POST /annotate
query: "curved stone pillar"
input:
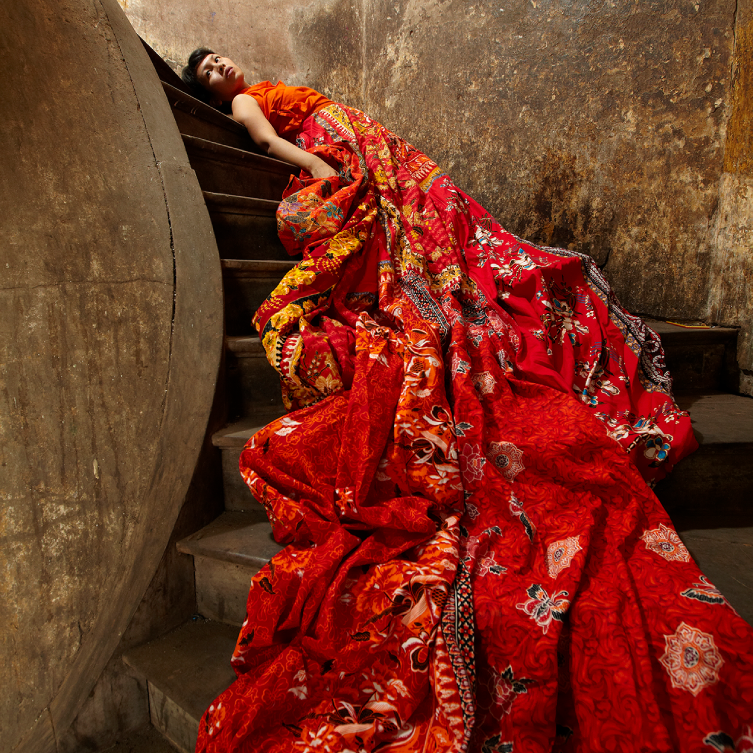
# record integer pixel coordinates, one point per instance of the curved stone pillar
(110, 338)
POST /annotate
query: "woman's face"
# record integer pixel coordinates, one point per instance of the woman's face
(221, 76)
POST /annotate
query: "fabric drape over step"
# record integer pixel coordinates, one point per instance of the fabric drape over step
(474, 560)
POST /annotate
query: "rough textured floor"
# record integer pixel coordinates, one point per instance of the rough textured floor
(146, 741)
(726, 557)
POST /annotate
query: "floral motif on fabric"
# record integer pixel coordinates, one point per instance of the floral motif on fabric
(507, 457)
(641, 431)
(458, 365)
(472, 511)
(479, 550)
(560, 554)
(705, 592)
(542, 608)
(559, 318)
(288, 425)
(483, 382)
(506, 689)
(591, 378)
(665, 542)
(488, 565)
(472, 462)
(691, 659)
(516, 508)
(725, 743)
(218, 713)
(657, 448)
(390, 621)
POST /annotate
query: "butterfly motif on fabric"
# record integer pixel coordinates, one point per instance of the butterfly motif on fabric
(705, 592)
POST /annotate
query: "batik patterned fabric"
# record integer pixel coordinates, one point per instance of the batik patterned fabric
(474, 561)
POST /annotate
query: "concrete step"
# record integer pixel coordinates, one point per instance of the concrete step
(245, 228)
(185, 671)
(226, 169)
(247, 282)
(252, 384)
(699, 359)
(231, 441)
(195, 118)
(725, 555)
(227, 554)
(714, 485)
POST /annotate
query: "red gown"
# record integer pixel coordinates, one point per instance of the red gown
(474, 561)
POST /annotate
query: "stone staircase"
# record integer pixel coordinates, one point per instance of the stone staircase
(188, 667)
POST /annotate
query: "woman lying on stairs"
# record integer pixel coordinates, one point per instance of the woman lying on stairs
(475, 560)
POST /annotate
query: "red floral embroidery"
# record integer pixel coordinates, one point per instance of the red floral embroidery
(560, 554)
(666, 543)
(410, 583)
(507, 457)
(472, 463)
(692, 659)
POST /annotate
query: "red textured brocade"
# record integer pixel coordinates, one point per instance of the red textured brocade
(473, 559)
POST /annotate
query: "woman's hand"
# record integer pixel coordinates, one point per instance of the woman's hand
(320, 169)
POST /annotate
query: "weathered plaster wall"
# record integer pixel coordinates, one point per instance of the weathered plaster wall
(596, 126)
(731, 295)
(110, 316)
(270, 40)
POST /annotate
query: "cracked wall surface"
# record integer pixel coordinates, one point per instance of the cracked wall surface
(82, 347)
(98, 331)
(601, 127)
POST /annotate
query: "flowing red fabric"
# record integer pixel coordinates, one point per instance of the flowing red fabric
(474, 561)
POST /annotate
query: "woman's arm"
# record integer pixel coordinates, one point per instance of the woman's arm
(246, 110)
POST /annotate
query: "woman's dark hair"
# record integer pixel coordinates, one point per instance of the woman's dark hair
(188, 74)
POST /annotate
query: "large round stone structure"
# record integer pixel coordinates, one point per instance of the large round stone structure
(110, 339)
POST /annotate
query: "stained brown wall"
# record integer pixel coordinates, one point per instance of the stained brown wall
(110, 335)
(731, 296)
(597, 126)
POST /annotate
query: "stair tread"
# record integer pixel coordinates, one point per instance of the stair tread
(672, 334)
(232, 203)
(190, 665)
(238, 537)
(256, 267)
(236, 434)
(720, 418)
(180, 99)
(245, 345)
(234, 155)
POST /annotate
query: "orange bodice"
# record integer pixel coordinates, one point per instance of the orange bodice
(286, 107)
